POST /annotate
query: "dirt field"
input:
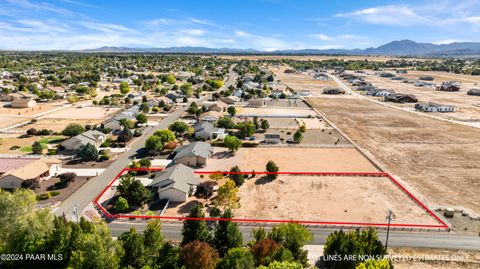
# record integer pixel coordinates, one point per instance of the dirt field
(440, 159)
(56, 125)
(39, 108)
(90, 112)
(263, 111)
(291, 159)
(464, 104)
(328, 198)
(303, 81)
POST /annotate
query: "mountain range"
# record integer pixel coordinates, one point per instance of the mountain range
(400, 48)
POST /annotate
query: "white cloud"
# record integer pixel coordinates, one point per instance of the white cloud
(386, 15)
(194, 32)
(321, 37)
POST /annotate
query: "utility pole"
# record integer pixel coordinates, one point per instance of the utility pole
(389, 219)
(75, 211)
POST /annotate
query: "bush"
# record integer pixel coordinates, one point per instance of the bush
(121, 205)
(137, 133)
(272, 168)
(52, 152)
(37, 148)
(205, 189)
(44, 196)
(32, 131)
(44, 132)
(87, 152)
(104, 157)
(54, 193)
(67, 178)
(30, 184)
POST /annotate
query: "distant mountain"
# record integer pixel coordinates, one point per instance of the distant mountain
(400, 48)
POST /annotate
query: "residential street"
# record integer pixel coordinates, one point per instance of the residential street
(94, 186)
(396, 239)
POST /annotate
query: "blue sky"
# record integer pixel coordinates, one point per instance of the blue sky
(262, 24)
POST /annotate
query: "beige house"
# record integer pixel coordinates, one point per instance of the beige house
(194, 154)
(175, 183)
(14, 171)
(23, 103)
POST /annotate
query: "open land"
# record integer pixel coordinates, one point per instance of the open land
(313, 57)
(292, 159)
(438, 158)
(328, 198)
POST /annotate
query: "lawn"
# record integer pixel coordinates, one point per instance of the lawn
(43, 142)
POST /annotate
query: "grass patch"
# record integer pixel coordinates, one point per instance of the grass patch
(44, 142)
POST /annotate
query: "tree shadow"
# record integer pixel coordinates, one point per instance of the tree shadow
(186, 207)
(222, 155)
(263, 180)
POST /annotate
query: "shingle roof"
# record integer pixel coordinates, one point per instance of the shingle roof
(201, 149)
(179, 177)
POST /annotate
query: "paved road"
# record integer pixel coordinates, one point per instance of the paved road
(396, 239)
(92, 188)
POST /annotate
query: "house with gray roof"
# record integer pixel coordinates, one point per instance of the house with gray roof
(115, 122)
(194, 154)
(93, 137)
(175, 183)
(206, 130)
(434, 107)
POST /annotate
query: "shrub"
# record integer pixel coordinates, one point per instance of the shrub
(87, 152)
(137, 133)
(37, 148)
(73, 129)
(205, 189)
(67, 178)
(32, 131)
(272, 168)
(104, 157)
(121, 204)
(54, 193)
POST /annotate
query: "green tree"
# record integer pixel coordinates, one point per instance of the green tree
(239, 179)
(195, 229)
(225, 122)
(293, 237)
(144, 107)
(153, 144)
(73, 129)
(124, 88)
(246, 129)
(186, 89)
(298, 137)
(199, 255)
(273, 168)
(228, 195)
(237, 258)
(179, 127)
(133, 247)
(87, 152)
(232, 110)
(37, 147)
(121, 204)
(145, 163)
(232, 143)
(170, 79)
(302, 128)
(352, 243)
(169, 257)
(142, 118)
(227, 234)
(133, 190)
(165, 135)
(264, 124)
(153, 242)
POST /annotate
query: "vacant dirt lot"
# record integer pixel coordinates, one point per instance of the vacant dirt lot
(275, 112)
(292, 159)
(90, 112)
(56, 125)
(328, 198)
(440, 159)
(39, 108)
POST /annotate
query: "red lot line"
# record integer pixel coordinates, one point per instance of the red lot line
(442, 225)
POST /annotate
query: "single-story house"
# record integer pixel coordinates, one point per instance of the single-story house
(175, 183)
(230, 100)
(449, 86)
(272, 139)
(402, 71)
(475, 92)
(384, 93)
(175, 97)
(14, 171)
(256, 102)
(93, 137)
(23, 103)
(401, 98)
(210, 116)
(206, 130)
(129, 114)
(194, 154)
(333, 91)
(218, 107)
(434, 107)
